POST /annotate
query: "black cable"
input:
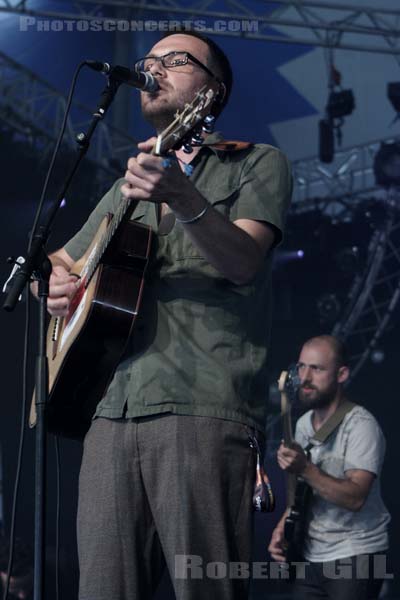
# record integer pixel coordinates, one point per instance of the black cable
(56, 149)
(26, 347)
(21, 447)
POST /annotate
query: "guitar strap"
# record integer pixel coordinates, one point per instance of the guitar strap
(331, 424)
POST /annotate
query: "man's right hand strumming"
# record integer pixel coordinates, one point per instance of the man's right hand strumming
(63, 286)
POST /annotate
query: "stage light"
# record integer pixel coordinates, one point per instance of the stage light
(387, 164)
(377, 356)
(340, 104)
(283, 257)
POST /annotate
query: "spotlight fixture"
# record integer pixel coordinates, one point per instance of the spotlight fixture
(340, 104)
(387, 164)
(378, 356)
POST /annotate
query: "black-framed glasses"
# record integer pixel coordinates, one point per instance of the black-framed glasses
(170, 61)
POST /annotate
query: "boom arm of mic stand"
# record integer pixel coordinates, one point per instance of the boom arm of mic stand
(34, 258)
(38, 264)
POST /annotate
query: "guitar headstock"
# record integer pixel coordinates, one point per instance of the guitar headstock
(282, 381)
(187, 124)
(288, 384)
(289, 381)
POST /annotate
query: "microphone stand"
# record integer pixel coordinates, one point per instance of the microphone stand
(38, 267)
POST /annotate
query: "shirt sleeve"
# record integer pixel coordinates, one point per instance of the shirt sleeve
(80, 242)
(266, 189)
(365, 448)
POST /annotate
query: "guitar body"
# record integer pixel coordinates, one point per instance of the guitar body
(85, 347)
(295, 525)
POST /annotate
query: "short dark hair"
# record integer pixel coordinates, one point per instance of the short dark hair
(218, 63)
(22, 557)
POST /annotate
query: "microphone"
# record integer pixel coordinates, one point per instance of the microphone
(18, 262)
(138, 79)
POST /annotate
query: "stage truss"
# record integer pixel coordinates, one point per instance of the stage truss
(33, 111)
(364, 28)
(375, 292)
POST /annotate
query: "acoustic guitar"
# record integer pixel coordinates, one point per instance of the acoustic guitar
(85, 347)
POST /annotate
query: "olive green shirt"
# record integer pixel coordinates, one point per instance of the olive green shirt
(199, 345)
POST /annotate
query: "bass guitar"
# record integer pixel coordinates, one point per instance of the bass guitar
(298, 492)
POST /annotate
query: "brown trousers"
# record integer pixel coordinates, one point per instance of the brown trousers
(165, 490)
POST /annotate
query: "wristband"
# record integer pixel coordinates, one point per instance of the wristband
(196, 218)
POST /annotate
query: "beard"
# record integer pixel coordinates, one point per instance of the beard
(159, 110)
(318, 398)
(159, 118)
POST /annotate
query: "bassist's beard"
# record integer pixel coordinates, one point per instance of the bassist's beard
(320, 398)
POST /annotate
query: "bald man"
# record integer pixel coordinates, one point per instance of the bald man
(346, 525)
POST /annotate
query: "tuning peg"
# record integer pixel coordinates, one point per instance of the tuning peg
(209, 124)
(197, 139)
(187, 148)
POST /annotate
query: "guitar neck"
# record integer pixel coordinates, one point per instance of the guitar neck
(121, 215)
(288, 438)
(185, 121)
(286, 419)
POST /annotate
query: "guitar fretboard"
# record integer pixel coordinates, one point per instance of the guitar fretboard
(124, 210)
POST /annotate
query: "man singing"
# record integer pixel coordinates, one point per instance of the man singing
(168, 467)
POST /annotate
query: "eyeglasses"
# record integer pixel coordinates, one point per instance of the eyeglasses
(170, 61)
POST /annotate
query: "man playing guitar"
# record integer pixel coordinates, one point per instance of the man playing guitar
(168, 467)
(346, 521)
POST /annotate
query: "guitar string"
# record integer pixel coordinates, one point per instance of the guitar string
(108, 235)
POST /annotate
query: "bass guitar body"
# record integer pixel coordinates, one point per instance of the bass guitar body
(295, 525)
(298, 492)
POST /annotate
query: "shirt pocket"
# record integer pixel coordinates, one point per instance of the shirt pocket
(177, 244)
(223, 198)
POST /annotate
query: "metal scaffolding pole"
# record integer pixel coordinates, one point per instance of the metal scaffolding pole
(328, 25)
(33, 110)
